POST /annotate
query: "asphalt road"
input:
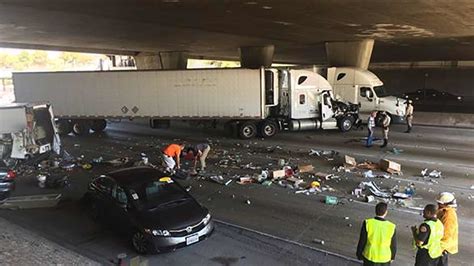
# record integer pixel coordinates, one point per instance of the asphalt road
(273, 210)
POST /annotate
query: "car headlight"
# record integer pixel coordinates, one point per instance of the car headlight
(207, 218)
(157, 232)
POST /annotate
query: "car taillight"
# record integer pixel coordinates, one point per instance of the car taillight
(11, 175)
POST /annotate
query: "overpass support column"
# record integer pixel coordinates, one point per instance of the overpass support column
(350, 53)
(162, 60)
(256, 56)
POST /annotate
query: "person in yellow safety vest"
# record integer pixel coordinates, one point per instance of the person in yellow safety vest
(377, 242)
(427, 238)
(447, 215)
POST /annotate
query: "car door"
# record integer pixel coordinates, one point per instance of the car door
(119, 209)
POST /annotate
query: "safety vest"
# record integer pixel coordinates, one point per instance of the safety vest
(434, 242)
(379, 238)
(448, 217)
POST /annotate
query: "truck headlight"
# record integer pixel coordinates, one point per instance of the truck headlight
(207, 218)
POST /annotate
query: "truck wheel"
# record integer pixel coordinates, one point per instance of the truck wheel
(64, 127)
(98, 125)
(345, 123)
(81, 128)
(267, 129)
(247, 130)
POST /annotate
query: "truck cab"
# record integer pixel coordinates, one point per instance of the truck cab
(360, 86)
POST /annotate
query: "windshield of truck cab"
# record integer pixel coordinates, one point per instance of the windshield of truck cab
(380, 91)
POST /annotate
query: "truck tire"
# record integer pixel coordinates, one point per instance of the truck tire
(81, 128)
(345, 123)
(247, 130)
(98, 125)
(267, 129)
(64, 127)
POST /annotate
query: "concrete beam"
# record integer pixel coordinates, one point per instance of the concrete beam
(256, 56)
(350, 53)
(162, 60)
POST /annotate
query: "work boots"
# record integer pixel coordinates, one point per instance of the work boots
(408, 130)
(385, 142)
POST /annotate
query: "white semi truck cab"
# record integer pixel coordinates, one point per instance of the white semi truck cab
(360, 86)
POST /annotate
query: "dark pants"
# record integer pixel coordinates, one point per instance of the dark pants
(443, 261)
(369, 263)
(424, 259)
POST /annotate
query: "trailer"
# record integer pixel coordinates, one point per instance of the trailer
(249, 102)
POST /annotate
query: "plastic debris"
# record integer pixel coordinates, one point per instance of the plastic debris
(330, 200)
(327, 154)
(369, 198)
(369, 174)
(374, 189)
(318, 241)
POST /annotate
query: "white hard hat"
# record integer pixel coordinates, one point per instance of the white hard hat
(446, 198)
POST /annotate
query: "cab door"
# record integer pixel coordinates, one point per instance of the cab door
(367, 99)
(326, 106)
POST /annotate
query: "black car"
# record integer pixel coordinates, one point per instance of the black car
(150, 207)
(7, 181)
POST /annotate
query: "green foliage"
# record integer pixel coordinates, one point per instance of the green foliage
(41, 60)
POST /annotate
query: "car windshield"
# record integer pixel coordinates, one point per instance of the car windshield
(162, 192)
(380, 91)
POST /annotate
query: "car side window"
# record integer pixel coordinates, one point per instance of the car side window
(104, 184)
(119, 194)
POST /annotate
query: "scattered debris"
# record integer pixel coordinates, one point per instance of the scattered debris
(328, 155)
(369, 198)
(318, 241)
(220, 180)
(374, 189)
(395, 151)
(306, 168)
(330, 200)
(390, 166)
(349, 162)
(248, 202)
(433, 173)
(369, 174)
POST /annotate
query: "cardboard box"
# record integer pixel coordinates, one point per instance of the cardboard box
(306, 168)
(351, 161)
(278, 173)
(390, 166)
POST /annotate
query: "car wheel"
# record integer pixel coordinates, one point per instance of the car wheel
(139, 242)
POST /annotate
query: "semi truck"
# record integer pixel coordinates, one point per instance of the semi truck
(360, 86)
(27, 130)
(249, 102)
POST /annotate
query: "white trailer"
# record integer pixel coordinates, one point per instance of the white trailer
(359, 86)
(250, 101)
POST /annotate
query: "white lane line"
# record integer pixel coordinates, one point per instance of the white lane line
(286, 240)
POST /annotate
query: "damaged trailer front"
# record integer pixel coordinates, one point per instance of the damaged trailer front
(27, 130)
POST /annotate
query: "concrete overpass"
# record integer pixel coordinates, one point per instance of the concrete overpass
(293, 32)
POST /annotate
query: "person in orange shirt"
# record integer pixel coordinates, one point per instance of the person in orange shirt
(171, 156)
(447, 215)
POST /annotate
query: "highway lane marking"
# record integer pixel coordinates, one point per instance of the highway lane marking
(285, 240)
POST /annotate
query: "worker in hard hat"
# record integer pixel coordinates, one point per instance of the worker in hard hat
(447, 215)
